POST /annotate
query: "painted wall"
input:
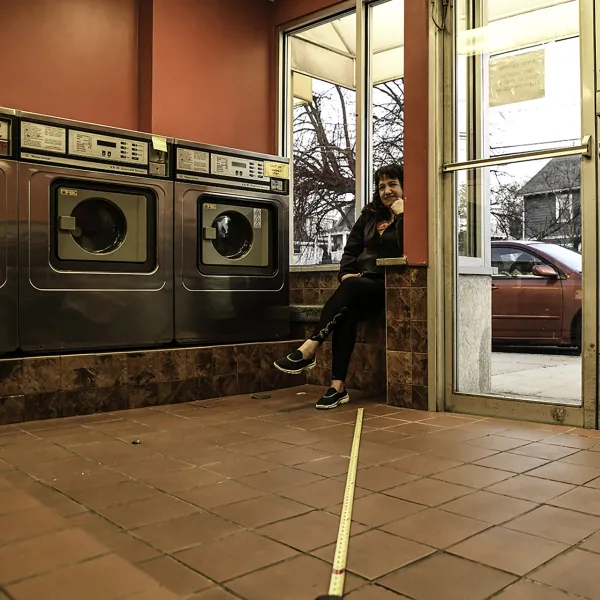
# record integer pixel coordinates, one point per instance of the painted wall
(211, 77)
(71, 58)
(288, 10)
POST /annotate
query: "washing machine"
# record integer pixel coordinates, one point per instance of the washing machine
(232, 248)
(8, 231)
(95, 236)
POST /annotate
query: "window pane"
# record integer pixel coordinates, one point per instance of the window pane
(324, 139)
(387, 48)
(517, 76)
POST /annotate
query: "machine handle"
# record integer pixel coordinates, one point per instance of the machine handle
(67, 223)
(210, 233)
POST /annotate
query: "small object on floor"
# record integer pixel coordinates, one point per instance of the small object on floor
(260, 396)
(136, 442)
(300, 393)
(332, 398)
(295, 363)
(329, 598)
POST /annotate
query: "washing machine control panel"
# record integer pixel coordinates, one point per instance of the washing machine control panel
(235, 167)
(5, 136)
(108, 148)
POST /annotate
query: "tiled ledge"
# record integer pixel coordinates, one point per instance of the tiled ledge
(304, 313)
(314, 268)
(392, 262)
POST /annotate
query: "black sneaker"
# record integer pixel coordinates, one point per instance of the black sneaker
(332, 398)
(294, 363)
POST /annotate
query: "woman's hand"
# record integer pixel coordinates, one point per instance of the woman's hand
(398, 207)
(350, 275)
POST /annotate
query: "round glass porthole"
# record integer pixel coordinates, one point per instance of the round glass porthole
(100, 225)
(234, 235)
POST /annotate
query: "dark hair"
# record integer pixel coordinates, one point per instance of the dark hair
(392, 171)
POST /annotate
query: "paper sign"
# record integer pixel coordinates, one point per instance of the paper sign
(159, 143)
(517, 78)
(278, 170)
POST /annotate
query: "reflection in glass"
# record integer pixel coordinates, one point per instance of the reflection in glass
(100, 225)
(234, 235)
(518, 331)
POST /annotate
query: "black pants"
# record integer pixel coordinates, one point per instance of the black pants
(355, 299)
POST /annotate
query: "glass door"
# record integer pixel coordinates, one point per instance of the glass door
(520, 166)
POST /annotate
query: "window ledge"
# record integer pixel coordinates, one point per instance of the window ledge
(313, 268)
(305, 313)
(392, 262)
(489, 271)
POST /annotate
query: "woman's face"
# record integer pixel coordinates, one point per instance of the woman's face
(390, 190)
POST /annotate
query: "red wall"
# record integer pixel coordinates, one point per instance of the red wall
(71, 58)
(288, 10)
(212, 72)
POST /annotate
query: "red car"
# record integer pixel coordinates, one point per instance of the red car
(536, 294)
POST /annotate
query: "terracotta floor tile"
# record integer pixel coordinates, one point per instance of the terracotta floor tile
(376, 553)
(280, 478)
(220, 494)
(87, 480)
(445, 577)
(526, 551)
(110, 495)
(572, 441)
(302, 578)
(97, 525)
(436, 528)
(382, 436)
(514, 463)
(530, 488)
(183, 480)
(497, 442)
(157, 593)
(378, 509)
(585, 458)
(174, 576)
(526, 433)
(585, 500)
(462, 452)
(30, 523)
(258, 447)
(592, 543)
(374, 592)
(423, 464)
(294, 456)
(327, 467)
(295, 436)
(473, 476)
(429, 492)
(215, 593)
(530, 590)
(154, 466)
(261, 511)
(379, 478)
(575, 572)
(446, 420)
(183, 532)
(240, 467)
(414, 428)
(45, 553)
(565, 472)
(13, 500)
(322, 494)
(543, 450)
(557, 524)
(491, 508)
(245, 552)
(129, 547)
(87, 580)
(307, 532)
(145, 512)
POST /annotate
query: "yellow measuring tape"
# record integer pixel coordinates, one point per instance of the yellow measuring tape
(338, 572)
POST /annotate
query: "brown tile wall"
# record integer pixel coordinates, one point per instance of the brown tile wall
(406, 336)
(367, 368)
(69, 385)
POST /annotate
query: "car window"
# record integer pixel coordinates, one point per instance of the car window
(513, 262)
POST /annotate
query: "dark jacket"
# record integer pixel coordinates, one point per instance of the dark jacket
(365, 245)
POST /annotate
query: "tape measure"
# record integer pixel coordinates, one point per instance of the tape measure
(338, 571)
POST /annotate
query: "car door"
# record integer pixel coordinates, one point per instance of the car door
(505, 296)
(537, 302)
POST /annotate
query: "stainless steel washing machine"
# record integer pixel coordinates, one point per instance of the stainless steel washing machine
(95, 236)
(9, 282)
(232, 248)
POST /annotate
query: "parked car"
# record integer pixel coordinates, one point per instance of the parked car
(536, 294)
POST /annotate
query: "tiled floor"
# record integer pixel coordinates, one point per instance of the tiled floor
(239, 499)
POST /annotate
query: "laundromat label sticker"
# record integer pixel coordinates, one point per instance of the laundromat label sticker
(68, 192)
(43, 137)
(257, 218)
(278, 170)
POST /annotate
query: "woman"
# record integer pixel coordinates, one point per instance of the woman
(378, 233)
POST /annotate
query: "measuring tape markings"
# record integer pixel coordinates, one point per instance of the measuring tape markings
(338, 572)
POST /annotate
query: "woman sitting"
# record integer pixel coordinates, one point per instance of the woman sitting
(378, 233)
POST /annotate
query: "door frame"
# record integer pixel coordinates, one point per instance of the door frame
(443, 254)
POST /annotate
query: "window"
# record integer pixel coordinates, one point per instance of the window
(514, 262)
(564, 208)
(323, 70)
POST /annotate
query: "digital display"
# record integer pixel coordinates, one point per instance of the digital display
(106, 144)
(238, 164)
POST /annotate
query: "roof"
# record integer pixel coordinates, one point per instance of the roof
(559, 174)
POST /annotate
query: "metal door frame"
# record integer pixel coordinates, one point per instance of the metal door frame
(444, 349)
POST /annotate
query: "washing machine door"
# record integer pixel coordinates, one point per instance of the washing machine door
(235, 235)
